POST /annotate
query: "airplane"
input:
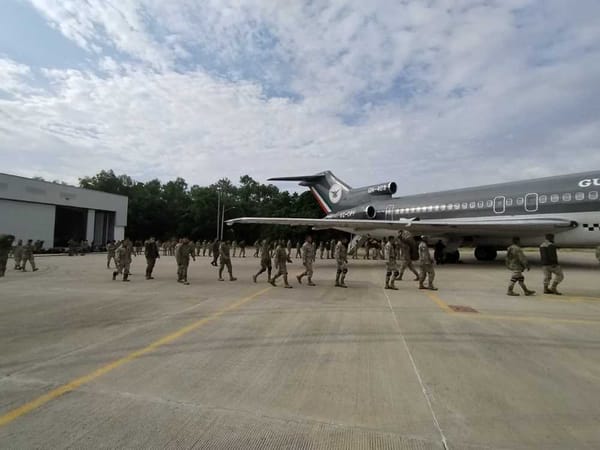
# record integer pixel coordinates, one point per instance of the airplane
(484, 217)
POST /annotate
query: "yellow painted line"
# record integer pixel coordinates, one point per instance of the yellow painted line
(569, 298)
(441, 303)
(74, 384)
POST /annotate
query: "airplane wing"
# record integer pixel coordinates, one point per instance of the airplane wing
(507, 224)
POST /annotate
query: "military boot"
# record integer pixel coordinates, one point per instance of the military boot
(310, 283)
(553, 289)
(299, 278)
(115, 275)
(125, 277)
(342, 283)
(511, 291)
(547, 290)
(337, 280)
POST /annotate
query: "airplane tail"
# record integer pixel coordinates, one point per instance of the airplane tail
(334, 195)
(328, 190)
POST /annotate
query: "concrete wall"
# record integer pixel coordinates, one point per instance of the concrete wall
(28, 221)
(28, 190)
(119, 233)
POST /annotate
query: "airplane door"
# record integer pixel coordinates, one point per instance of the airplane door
(389, 212)
(531, 202)
(499, 204)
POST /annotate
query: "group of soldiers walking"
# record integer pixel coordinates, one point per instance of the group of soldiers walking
(22, 253)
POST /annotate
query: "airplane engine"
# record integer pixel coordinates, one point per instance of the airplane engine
(388, 188)
(370, 212)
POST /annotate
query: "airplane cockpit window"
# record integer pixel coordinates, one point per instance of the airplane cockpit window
(554, 198)
(579, 196)
(543, 198)
(457, 206)
(472, 205)
(464, 206)
(593, 195)
(480, 204)
(509, 202)
(520, 201)
(489, 203)
(566, 197)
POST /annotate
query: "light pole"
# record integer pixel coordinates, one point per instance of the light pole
(223, 219)
(218, 212)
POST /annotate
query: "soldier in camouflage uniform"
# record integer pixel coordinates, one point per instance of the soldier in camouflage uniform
(298, 250)
(550, 265)
(6, 241)
(405, 256)
(308, 258)
(281, 259)
(426, 263)
(123, 260)
(321, 249)
(214, 252)
(110, 253)
(516, 262)
(152, 254)
(183, 251)
(391, 265)
(265, 262)
(341, 259)
(225, 261)
(18, 254)
(28, 256)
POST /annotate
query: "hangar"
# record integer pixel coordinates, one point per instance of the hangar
(55, 213)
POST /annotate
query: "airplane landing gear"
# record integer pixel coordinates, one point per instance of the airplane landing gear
(483, 253)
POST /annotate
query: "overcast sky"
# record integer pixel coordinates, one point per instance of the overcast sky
(431, 94)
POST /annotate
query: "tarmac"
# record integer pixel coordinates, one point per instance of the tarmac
(87, 362)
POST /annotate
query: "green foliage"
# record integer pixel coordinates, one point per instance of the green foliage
(174, 209)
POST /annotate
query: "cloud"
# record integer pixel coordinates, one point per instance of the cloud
(431, 94)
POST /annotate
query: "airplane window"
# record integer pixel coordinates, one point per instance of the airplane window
(593, 195)
(509, 202)
(436, 208)
(579, 196)
(554, 198)
(457, 206)
(472, 205)
(443, 207)
(429, 208)
(543, 198)
(464, 206)
(566, 197)
(489, 203)
(480, 204)
(520, 201)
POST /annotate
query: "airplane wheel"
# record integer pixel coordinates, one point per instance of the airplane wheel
(485, 253)
(452, 257)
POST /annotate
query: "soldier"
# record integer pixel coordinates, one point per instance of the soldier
(215, 251)
(123, 260)
(516, 262)
(257, 246)
(151, 252)
(225, 261)
(28, 256)
(405, 256)
(321, 249)
(426, 263)
(183, 250)
(234, 246)
(438, 252)
(18, 254)
(289, 247)
(110, 253)
(6, 241)
(550, 265)
(308, 258)
(265, 262)
(341, 259)
(242, 249)
(198, 247)
(204, 247)
(298, 250)
(281, 260)
(391, 265)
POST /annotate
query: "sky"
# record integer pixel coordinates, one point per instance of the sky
(432, 94)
